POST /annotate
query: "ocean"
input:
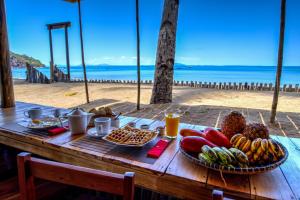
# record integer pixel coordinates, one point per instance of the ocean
(259, 74)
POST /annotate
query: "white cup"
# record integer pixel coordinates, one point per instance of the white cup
(33, 113)
(102, 125)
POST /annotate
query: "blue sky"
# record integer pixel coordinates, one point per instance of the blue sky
(210, 32)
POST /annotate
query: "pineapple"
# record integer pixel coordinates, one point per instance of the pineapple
(256, 130)
(233, 123)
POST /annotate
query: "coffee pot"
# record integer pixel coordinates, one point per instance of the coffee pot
(78, 120)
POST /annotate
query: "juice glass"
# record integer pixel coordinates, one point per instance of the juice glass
(172, 124)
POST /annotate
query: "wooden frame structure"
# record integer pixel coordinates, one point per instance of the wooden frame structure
(60, 25)
(6, 87)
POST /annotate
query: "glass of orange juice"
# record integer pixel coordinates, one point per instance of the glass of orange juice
(172, 124)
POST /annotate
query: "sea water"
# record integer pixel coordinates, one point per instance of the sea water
(256, 74)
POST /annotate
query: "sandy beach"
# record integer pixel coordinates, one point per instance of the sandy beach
(68, 95)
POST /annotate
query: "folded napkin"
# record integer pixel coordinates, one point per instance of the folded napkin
(56, 131)
(158, 149)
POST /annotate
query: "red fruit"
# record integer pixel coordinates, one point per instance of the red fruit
(216, 137)
(193, 144)
(190, 132)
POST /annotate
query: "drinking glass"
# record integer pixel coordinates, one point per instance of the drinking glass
(102, 125)
(172, 124)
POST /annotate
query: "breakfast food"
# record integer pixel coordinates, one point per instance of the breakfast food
(118, 136)
(226, 157)
(216, 137)
(130, 136)
(193, 144)
(190, 132)
(233, 123)
(260, 151)
(256, 130)
(102, 111)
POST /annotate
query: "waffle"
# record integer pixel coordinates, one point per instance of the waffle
(130, 136)
(118, 135)
(139, 138)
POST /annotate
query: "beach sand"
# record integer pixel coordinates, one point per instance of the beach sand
(67, 95)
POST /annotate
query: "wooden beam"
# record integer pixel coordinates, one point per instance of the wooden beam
(51, 57)
(280, 61)
(138, 54)
(58, 25)
(82, 55)
(6, 88)
(67, 52)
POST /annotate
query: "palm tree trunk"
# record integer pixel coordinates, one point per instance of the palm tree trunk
(165, 55)
(280, 60)
(6, 83)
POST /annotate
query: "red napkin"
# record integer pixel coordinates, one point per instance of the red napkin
(158, 149)
(58, 130)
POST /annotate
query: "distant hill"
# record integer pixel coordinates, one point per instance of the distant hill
(17, 60)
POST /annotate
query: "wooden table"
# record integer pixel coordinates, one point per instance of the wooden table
(171, 174)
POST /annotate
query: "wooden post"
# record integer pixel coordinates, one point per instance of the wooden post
(165, 55)
(280, 60)
(51, 57)
(138, 54)
(67, 52)
(6, 88)
(82, 54)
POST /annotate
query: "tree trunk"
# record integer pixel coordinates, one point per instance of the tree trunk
(280, 60)
(6, 87)
(165, 55)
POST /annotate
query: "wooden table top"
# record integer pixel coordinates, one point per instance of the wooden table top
(170, 174)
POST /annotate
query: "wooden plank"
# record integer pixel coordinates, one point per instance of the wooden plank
(272, 185)
(292, 164)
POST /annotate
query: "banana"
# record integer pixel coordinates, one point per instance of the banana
(235, 138)
(231, 157)
(224, 159)
(249, 154)
(255, 144)
(246, 146)
(209, 152)
(240, 141)
(280, 151)
(239, 155)
(202, 156)
(276, 148)
(264, 145)
(272, 145)
(256, 156)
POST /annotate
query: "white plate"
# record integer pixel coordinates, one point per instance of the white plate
(45, 123)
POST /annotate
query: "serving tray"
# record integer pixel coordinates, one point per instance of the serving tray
(237, 170)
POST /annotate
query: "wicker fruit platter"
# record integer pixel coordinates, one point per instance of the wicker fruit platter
(236, 148)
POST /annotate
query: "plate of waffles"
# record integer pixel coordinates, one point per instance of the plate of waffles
(130, 137)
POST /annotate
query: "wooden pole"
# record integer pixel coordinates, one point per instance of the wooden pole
(138, 55)
(51, 57)
(6, 88)
(67, 52)
(279, 63)
(82, 54)
(165, 55)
